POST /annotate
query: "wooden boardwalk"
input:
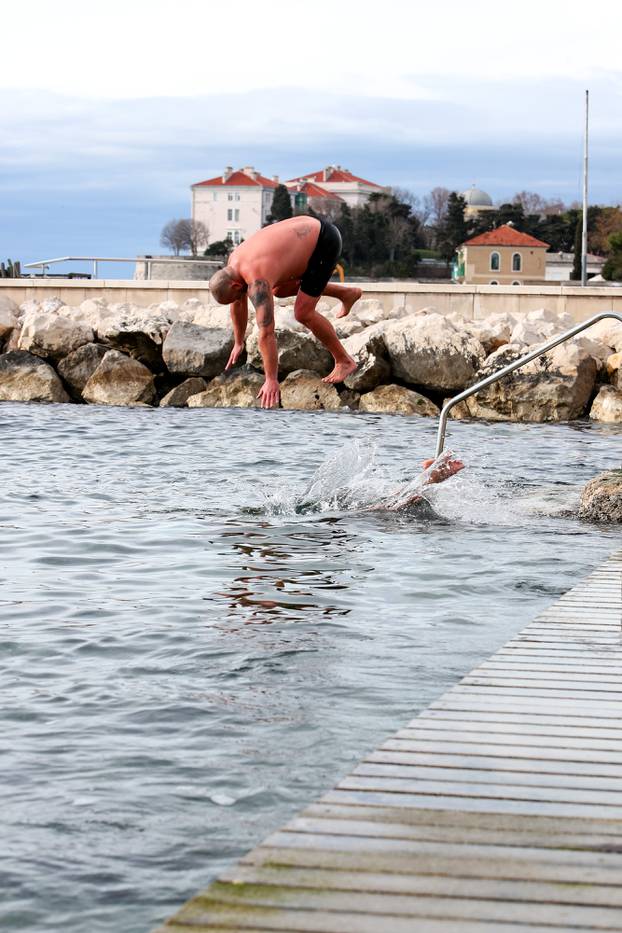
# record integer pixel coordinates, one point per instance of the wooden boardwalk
(498, 808)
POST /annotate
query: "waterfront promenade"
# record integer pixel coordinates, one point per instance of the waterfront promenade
(498, 808)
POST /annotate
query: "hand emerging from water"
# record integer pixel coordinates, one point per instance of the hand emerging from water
(444, 470)
(235, 355)
(270, 394)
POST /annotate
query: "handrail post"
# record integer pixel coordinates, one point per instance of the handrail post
(506, 370)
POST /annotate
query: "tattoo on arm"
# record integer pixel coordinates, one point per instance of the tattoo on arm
(260, 294)
(302, 232)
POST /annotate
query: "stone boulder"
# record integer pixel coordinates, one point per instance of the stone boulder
(609, 332)
(296, 350)
(77, 368)
(492, 332)
(613, 366)
(52, 336)
(305, 390)
(601, 499)
(27, 378)
(370, 352)
(554, 387)
(135, 332)
(428, 351)
(120, 380)
(607, 406)
(192, 350)
(212, 316)
(237, 388)
(8, 317)
(178, 397)
(397, 399)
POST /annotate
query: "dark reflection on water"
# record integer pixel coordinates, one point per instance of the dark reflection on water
(183, 665)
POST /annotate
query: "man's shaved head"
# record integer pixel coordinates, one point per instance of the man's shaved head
(225, 286)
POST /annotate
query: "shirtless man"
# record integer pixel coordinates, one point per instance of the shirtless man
(292, 257)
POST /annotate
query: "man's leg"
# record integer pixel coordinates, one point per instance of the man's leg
(346, 294)
(304, 311)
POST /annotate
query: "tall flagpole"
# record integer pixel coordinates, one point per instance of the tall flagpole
(584, 231)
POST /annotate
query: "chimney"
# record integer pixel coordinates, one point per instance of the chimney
(228, 172)
(275, 178)
(327, 172)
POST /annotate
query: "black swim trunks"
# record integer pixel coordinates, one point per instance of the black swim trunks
(323, 260)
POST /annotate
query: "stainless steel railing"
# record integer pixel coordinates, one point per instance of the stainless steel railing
(549, 345)
(43, 264)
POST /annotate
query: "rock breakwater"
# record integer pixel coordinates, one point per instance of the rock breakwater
(409, 363)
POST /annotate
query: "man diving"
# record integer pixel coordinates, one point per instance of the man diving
(293, 257)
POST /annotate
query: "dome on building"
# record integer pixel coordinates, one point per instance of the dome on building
(475, 197)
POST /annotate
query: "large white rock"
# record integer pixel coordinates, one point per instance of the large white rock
(554, 387)
(27, 378)
(212, 316)
(613, 365)
(532, 333)
(120, 380)
(429, 351)
(235, 389)
(197, 351)
(607, 331)
(137, 332)
(77, 368)
(601, 499)
(370, 352)
(296, 350)
(8, 317)
(607, 406)
(305, 390)
(52, 336)
(397, 400)
(492, 332)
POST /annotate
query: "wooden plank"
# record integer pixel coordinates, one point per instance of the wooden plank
(498, 808)
(530, 891)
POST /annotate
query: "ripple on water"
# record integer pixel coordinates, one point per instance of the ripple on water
(201, 629)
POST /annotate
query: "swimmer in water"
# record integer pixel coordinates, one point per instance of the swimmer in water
(446, 465)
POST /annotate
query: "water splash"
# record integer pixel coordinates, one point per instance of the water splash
(352, 479)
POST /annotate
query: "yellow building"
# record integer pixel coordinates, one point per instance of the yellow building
(504, 256)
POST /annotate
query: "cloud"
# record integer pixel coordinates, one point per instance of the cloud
(105, 175)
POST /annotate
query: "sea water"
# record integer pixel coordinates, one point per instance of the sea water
(205, 621)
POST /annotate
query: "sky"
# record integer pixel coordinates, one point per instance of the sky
(109, 114)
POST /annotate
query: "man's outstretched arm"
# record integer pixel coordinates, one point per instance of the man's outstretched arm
(239, 319)
(260, 293)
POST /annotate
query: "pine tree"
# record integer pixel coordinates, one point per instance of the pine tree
(281, 205)
(454, 229)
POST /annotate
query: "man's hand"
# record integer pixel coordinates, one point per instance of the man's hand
(235, 355)
(270, 394)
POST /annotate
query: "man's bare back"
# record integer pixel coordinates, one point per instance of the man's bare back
(293, 257)
(278, 253)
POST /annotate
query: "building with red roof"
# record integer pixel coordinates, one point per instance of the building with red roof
(340, 181)
(233, 205)
(504, 256)
(236, 204)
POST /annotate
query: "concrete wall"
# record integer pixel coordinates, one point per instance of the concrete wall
(473, 301)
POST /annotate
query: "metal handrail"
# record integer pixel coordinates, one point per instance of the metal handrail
(147, 260)
(522, 361)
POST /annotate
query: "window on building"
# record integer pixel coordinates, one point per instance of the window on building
(494, 282)
(516, 262)
(517, 283)
(237, 195)
(234, 236)
(230, 214)
(229, 235)
(230, 197)
(215, 195)
(236, 214)
(495, 264)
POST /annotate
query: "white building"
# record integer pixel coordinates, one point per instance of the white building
(559, 266)
(235, 204)
(339, 181)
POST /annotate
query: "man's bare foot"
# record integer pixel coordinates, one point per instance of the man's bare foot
(341, 371)
(352, 296)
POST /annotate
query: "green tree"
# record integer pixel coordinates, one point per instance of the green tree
(454, 230)
(612, 270)
(281, 205)
(578, 242)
